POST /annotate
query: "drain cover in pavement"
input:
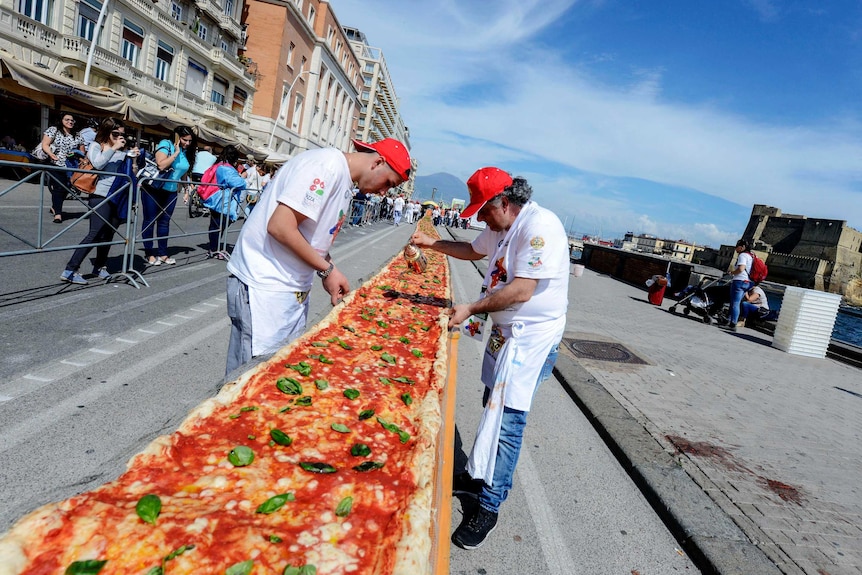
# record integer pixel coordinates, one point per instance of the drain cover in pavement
(602, 350)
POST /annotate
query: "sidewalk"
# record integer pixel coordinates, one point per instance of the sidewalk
(771, 438)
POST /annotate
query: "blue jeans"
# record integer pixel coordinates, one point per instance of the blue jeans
(509, 448)
(737, 291)
(158, 207)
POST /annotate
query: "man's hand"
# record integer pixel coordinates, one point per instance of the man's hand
(422, 240)
(459, 313)
(336, 285)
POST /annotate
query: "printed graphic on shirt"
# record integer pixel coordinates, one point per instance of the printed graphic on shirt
(537, 243)
(499, 274)
(315, 192)
(337, 227)
(535, 262)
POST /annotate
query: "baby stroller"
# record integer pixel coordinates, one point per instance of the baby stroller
(708, 299)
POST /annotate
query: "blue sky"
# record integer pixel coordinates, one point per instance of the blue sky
(665, 117)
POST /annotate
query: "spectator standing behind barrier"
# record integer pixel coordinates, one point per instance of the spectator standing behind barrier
(204, 158)
(526, 295)
(88, 134)
(159, 203)
(359, 202)
(106, 154)
(224, 203)
(252, 185)
(58, 144)
(288, 237)
(740, 283)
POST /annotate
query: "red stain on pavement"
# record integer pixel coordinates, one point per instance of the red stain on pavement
(785, 492)
(706, 450)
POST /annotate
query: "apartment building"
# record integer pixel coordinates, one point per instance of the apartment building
(308, 84)
(156, 63)
(378, 115)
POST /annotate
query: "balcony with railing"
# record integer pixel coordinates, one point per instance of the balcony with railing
(232, 66)
(229, 24)
(210, 8)
(20, 29)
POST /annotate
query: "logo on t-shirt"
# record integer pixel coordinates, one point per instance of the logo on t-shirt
(337, 227)
(499, 274)
(317, 186)
(537, 243)
(535, 263)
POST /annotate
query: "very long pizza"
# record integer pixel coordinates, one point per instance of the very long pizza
(318, 461)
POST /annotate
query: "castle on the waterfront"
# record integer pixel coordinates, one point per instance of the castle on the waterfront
(813, 253)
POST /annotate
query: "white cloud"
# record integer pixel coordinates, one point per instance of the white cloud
(543, 106)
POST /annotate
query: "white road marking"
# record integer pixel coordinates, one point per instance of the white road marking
(15, 434)
(101, 351)
(37, 378)
(148, 331)
(124, 340)
(75, 363)
(167, 323)
(554, 546)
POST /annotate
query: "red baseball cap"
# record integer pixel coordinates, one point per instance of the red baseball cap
(484, 185)
(393, 153)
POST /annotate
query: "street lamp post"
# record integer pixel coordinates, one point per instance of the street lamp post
(284, 100)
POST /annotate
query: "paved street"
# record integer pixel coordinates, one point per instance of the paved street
(772, 438)
(90, 375)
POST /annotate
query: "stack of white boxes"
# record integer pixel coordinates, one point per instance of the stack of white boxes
(806, 321)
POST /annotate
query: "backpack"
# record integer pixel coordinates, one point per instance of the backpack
(758, 269)
(209, 184)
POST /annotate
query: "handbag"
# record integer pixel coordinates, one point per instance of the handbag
(84, 182)
(151, 172)
(39, 153)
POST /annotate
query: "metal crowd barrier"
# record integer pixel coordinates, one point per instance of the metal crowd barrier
(16, 237)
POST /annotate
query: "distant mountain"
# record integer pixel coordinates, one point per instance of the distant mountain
(448, 187)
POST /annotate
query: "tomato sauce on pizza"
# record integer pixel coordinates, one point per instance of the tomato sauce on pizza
(311, 463)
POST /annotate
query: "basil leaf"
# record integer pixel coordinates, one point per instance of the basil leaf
(280, 437)
(275, 539)
(344, 507)
(344, 345)
(403, 339)
(288, 385)
(249, 408)
(425, 327)
(351, 393)
(302, 367)
(406, 398)
(290, 570)
(305, 401)
(148, 508)
(372, 331)
(416, 352)
(360, 450)
(388, 358)
(365, 414)
(88, 567)
(340, 428)
(403, 379)
(243, 568)
(321, 384)
(385, 381)
(376, 347)
(240, 456)
(368, 466)
(349, 328)
(382, 323)
(157, 570)
(275, 503)
(317, 467)
(319, 344)
(403, 436)
(178, 551)
(308, 570)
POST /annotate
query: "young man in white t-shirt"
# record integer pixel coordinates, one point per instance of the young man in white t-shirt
(740, 282)
(526, 294)
(287, 238)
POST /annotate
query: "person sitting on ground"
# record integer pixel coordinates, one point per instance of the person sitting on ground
(754, 306)
(224, 203)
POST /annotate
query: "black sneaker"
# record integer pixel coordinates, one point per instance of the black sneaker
(463, 484)
(473, 532)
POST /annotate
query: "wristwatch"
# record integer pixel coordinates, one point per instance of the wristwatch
(325, 273)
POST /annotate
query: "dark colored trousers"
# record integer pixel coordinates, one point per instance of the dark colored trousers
(218, 225)
(103, 221)
(158, 207)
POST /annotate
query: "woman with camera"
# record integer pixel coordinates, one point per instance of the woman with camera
(159, 198)
(107, 154)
